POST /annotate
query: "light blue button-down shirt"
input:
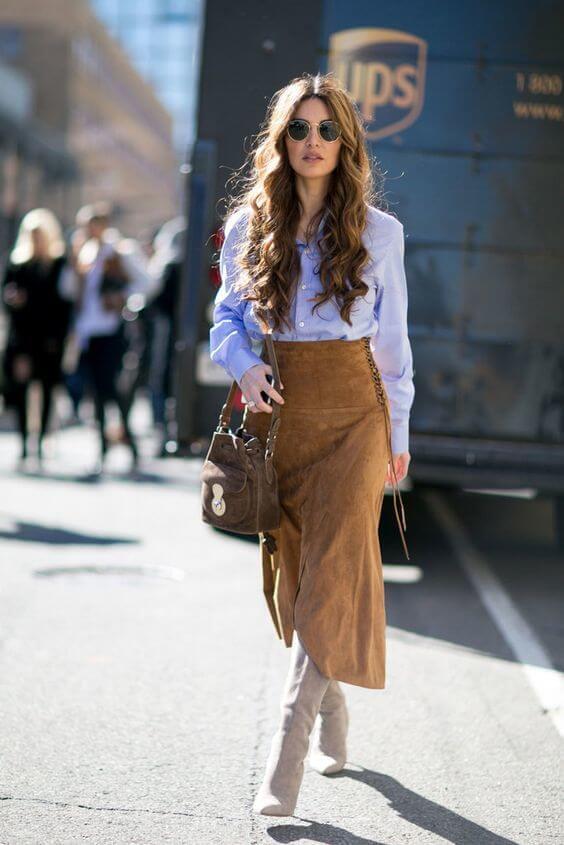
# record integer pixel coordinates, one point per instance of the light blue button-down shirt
(380, 315)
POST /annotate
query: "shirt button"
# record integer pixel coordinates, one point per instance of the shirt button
(302, 324)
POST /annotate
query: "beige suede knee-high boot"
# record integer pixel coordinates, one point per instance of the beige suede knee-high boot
(303, 692)
(329, 741)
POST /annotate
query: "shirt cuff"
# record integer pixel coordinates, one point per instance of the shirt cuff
(242, 361)
(400, 437)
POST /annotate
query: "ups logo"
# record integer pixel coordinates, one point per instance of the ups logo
(384, 70)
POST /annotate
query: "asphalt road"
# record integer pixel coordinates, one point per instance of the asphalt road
(140, 674)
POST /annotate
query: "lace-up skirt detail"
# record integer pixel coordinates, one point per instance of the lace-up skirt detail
(322, 568)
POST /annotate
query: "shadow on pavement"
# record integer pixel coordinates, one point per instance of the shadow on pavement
(130, 477)
(407, 804)
(31, 532)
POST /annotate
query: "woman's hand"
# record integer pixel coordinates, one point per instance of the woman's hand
(14, 296)
(401, 464)
(253, 381)
(22, 368)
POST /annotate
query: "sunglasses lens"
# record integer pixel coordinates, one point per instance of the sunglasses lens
(329, 130)
(297, 130)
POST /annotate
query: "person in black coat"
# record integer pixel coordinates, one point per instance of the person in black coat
(37, 296)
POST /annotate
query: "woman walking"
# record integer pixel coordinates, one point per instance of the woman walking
(308, 257)
(111, 269)
(38, 289)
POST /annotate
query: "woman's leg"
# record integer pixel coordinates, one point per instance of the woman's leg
(113, 348)
(329, 744)
(303, 692)
(124, 408)
(100, 413)
(104, 357)
(20, 404)
(46, 403)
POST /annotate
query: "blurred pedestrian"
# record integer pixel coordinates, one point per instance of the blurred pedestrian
(165, 268)
(73, 374)
(38, 289)
(112, 273)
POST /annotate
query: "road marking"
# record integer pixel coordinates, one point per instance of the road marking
(546, 681)
(515, 493)
(397, 573)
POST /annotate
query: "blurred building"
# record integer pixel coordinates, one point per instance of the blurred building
(35, 166)
(87, 98)
(162, 39)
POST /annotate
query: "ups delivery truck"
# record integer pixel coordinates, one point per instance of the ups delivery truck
(464, 107)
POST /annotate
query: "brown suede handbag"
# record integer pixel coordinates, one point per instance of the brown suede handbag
(239, 481)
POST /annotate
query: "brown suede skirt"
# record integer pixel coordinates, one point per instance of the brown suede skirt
(323, 575)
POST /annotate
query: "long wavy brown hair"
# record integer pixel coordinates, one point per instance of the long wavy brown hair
(267, 253)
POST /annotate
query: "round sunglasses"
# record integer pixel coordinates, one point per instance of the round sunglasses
(298, 129)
